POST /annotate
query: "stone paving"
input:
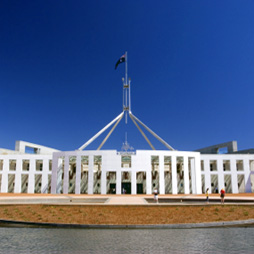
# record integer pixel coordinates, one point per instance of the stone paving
(8, 198)
(127, 200)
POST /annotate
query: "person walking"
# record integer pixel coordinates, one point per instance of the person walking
(222, 195)
(207, 195)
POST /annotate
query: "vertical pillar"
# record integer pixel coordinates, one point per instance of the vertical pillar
(148, 169)
(55, 166)
(66, 175)
(133, 182)
(186, 175)
(149, 182)
(220, 174)
(4, 187)
(234, 176)
(17, 187)
(161, 175)
(193, 178)
(103, 181)
(32, 167)
(207, 174)
(90, 174)
(247, 180)
(45, 170)
(59, 181)
(78, 174)
(197, 170)
(118, 182)
(174, 175)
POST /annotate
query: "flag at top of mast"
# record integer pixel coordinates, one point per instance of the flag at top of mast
(121, 60)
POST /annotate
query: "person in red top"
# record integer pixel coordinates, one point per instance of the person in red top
(222, 195)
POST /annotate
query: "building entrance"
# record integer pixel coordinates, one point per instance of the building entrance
(139, 188)
(112, 188)
(126, 188)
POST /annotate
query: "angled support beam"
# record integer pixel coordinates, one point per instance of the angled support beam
(100, 132)
(106, 138)
(148, 141)
(154, 134)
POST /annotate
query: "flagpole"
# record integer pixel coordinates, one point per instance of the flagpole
(126, 82)
(126, 68)
(129, 95)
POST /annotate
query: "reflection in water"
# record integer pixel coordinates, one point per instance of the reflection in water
(30, 240)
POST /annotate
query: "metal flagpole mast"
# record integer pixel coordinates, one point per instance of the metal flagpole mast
(126, 85)
(126, 68)
(129, 95)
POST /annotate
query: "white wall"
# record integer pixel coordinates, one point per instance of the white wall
(18, 172)
(140, 162)
(246, 159)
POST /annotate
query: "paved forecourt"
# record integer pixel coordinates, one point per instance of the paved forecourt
(62, 199)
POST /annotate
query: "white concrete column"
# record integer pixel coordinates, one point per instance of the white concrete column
(118, 182)
(161, 175)
(193, 177)
(186, 175)
(207, 174)
(220, 174)
(17, 187)
(246, 169)
(103, 181)
(45, 171)
(66, 175)
(55, 168)
(174, 174)
(32, 166)
(234, 176)
(4, 187)
(60, 171)
(90, 174)
(247, 180)
(78, 174)
(197, 170)
(133, 182)
(148, 182)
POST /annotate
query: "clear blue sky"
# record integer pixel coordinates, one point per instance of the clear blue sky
(191, 65)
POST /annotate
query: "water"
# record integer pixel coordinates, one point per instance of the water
(32, 240)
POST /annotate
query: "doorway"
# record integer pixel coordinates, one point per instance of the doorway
(126, 188)
(112, 188)
(139, 188)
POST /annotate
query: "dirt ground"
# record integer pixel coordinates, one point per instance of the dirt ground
(122, 214)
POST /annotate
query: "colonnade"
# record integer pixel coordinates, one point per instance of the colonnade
(141, 161)
(107, 171)
(238, 168)
(12, 171)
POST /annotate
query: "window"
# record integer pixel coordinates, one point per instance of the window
(202, 165)
(12, 165)
(125, 161)
(25, 165)
(226, 165)
(213, 165)
(239, 165)
(39, 165)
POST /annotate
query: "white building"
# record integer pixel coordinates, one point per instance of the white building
(48, 170)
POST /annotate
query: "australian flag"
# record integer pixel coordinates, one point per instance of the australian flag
(121, 60)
